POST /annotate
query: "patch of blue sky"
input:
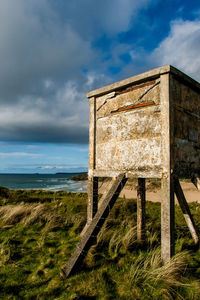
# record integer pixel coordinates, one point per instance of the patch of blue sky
(153, 24)
(43, 158)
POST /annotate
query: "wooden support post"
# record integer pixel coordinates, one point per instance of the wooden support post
(92, 181)
(186, 210)
(92, 198)
(167, 219)
(167, 204)
(141, 199)
(196, 181)
(97, 222)
(92, 205)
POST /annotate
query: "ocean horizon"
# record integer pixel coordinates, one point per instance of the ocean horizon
(35, 181)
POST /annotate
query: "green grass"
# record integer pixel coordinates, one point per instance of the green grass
(40, 230)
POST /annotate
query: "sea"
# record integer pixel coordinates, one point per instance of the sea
(53, 182)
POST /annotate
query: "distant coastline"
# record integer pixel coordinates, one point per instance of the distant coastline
(80, 177)
(53, 182)
(66, 173)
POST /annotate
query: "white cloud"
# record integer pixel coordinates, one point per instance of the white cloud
(63, 168)
(181, 48)
(47, 167)
(19, 154)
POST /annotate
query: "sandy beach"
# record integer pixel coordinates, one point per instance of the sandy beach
(130, 191)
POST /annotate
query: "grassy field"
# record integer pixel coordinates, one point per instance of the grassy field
(39, 231)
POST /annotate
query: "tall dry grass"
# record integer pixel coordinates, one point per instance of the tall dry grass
(163, 281)
(22, 213)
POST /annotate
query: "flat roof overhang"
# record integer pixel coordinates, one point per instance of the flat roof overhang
(146, 76)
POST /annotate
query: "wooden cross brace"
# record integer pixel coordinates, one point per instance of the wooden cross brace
(90, 234)
(186, 210)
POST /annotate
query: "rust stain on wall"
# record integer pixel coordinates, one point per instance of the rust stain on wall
(129, 107)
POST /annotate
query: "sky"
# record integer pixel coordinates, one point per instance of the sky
(53, 52)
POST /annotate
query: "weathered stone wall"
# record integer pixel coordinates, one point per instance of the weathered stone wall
(186, 104)
(128, 129)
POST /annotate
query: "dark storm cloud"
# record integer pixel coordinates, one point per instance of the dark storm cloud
(40, 58)
(35, 46)
(60, 117)
(48, 133)
(45, 46)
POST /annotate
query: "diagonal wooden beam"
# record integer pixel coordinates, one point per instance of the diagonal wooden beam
(94, 227)
(99, 202)
(186, 210)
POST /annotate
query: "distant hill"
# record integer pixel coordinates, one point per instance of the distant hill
(80, 177)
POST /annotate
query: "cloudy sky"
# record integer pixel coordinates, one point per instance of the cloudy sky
(53, 52)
